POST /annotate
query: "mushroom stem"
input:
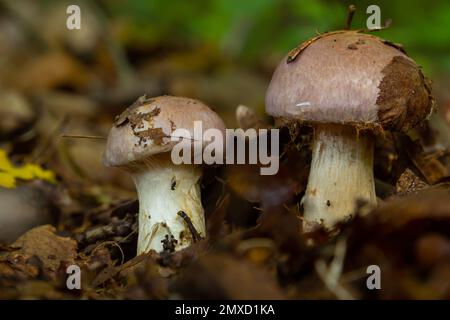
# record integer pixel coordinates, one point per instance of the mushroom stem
(341, 173)
(164, 189)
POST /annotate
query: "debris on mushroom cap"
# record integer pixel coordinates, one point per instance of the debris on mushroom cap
(124, 116)
(293, 54)
(349, 77)
(145, 128)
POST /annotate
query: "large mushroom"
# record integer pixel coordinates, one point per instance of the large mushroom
(170, 210)
(347, 85)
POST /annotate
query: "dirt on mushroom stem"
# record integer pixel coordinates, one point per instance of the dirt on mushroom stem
(341, 174)
(165, 189)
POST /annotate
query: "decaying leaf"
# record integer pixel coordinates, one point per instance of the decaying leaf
(50, 248)
(407, 238)
(31, 267)
(294, 53)
(410, 183)
(428, 164)
(154, 134)
(130, 112)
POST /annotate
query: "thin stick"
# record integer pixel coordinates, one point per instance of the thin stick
(350, 14)
(80, 136)
(332, 273)
(181, 137)
(114, 243)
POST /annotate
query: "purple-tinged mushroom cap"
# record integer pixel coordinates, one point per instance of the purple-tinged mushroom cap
(145, 128)
(346, 77)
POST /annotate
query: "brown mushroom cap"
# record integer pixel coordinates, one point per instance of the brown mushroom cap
(347, 77)
(145, 128)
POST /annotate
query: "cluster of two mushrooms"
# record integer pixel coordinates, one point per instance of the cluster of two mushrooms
(345, 84)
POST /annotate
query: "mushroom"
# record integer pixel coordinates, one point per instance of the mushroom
(347, 86)
(170, 210)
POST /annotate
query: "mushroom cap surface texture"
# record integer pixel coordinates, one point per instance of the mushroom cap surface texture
(145, 128)
(347, 77)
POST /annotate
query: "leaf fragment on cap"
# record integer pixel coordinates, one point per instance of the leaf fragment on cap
(154, 134)
(294, 53)
(125, 115)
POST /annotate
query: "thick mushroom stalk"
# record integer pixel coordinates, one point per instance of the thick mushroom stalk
(341, 174)
(165, 190)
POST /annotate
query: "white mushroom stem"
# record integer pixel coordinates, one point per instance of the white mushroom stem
(164, 189)
(341, 174)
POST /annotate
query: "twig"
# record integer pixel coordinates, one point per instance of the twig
(195, 235)
(350, 14)
(113, 243)
(79, 136)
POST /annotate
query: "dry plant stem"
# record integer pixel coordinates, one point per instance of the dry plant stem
(341, 173)
(163, 190)
(80, 136)
(331, 274)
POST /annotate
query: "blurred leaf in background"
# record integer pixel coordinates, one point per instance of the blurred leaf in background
(9, 173)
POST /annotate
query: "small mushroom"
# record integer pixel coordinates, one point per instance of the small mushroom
(170, 210)
(347, 85)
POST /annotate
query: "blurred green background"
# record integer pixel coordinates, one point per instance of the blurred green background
(254, 29)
